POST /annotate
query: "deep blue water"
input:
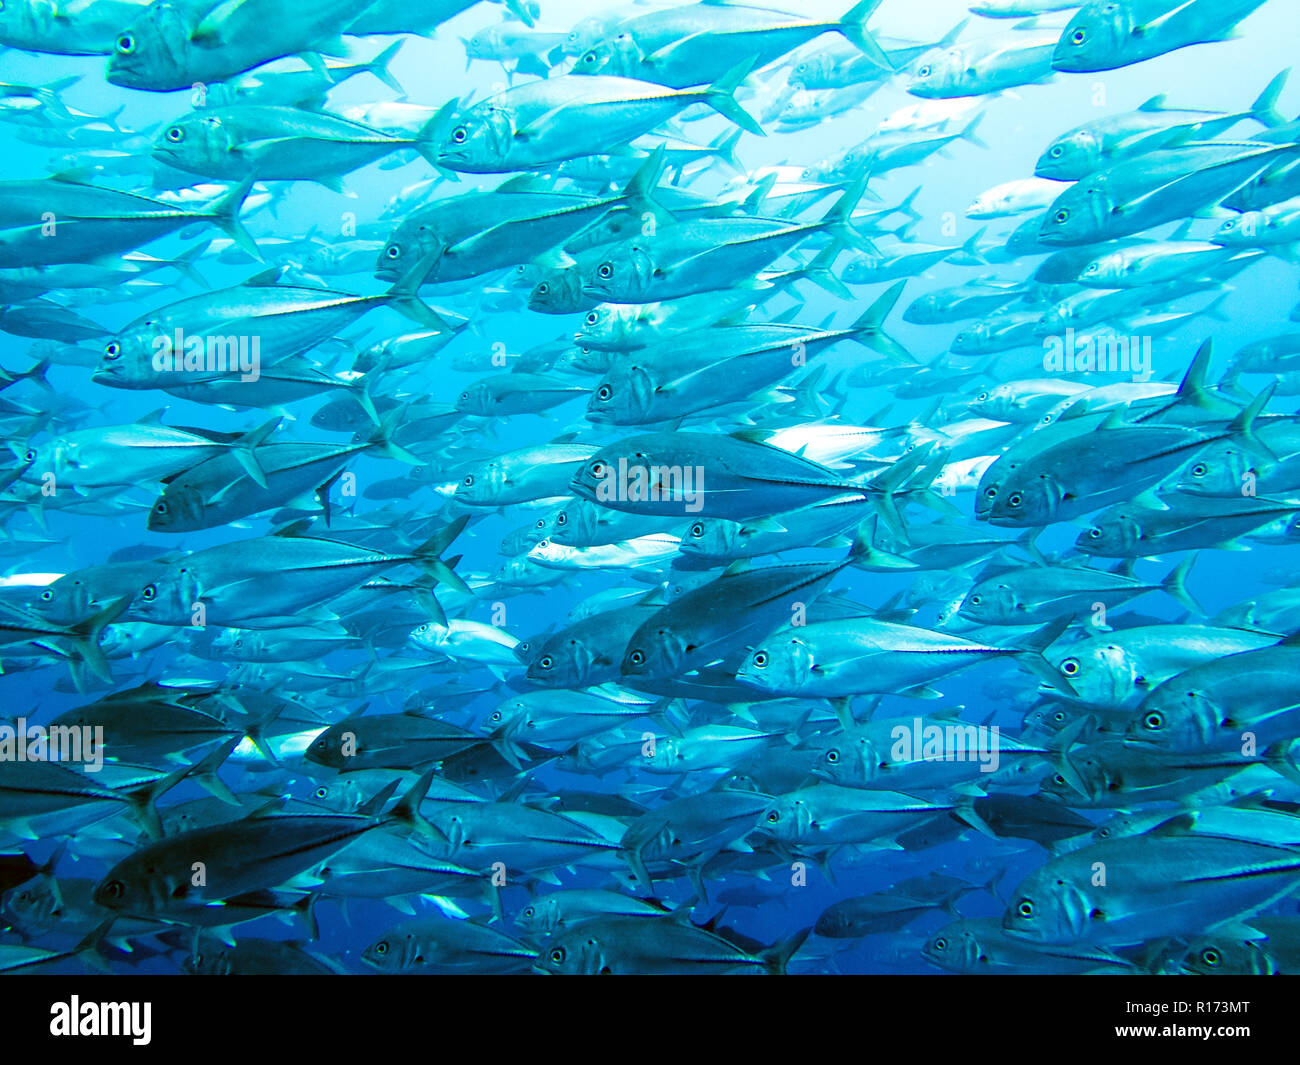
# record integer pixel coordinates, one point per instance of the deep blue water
(1018, 124)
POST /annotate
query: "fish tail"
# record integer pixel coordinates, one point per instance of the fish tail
(382, 438)
(869, 328)
(404, 297)
(854, 28)
(379, 66)
(964, 810)
(1175, 586)
(971, 249)
(725, 149)
(224, 211)
(204, 773)
(839, 219)
(89, 949)
(184, 264)
(777, 957)
(407, 810)
(37, 375)
(1244, 424)
(428, 555)
(821, 271)
(640, 189)
(85, 636)
(246, 450)
(721, 96)
(968, 134)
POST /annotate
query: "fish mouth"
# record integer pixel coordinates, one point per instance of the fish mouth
(1070, 60)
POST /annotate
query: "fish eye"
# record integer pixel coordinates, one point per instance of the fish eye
(833, 756)
(469, 481)
(1070, 667)
(381, 948)
(1094, 533)
(1026, 908)
(604, 392)
(161, 508)
(1058, 780)
(176, 134)
(30, 454)
(1211, 957)
(112, 350)
(558, 955)
(322, 792)
(1057, 152)
(1062, 216)
(592, 318)
(543, 543)
(1199, 470)
(464, 397)
(496, 715)
(940, 944)
(697, 530)
(760, 659)
(975, 600)
(598, 469)
(1079, 36)
(562, 519)
(149, 594)
(1015, 499)
(990, 492)
(590, 57)
(393, 251)
(125, 44)
(47, 596)
(925, 71)
(114, 889)
(460, 134)
(637, 658)
(606, 270)
(529, 911)
(543, 288)
(1154, 721)
(982, 397)
(773, 817)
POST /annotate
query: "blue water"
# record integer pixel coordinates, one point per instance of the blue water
(1224, 76)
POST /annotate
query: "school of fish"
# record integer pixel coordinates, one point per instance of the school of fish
(579, 552)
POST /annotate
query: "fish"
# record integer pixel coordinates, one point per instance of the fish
(515, 488)
(1106, 36)
(659, 946)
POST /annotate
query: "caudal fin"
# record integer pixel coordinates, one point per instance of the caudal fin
(224, 212)
(379, 66)
(777, 957)
(428, 555)
(1264, 110)
(854, 27)
(869, 328)
(721, 96)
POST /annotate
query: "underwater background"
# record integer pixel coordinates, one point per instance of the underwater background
(399, 505)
